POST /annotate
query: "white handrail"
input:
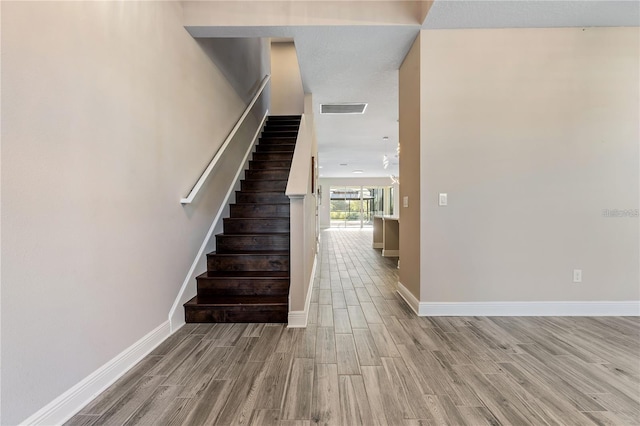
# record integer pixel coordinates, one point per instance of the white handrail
(214, 160)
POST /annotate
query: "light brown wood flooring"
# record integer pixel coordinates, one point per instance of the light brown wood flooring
(367, 359)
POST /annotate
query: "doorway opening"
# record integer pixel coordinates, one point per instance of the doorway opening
(355, 206)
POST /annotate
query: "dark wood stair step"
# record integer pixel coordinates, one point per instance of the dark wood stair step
(258, 310)
(278, 140)
(261, 197)
(284, 117)
(249, 210)
(232, 243)
(243, 283)
(288, 147)
(250, 261)
(267, 174)
(269, 156)
(255, 225)
(278, 133)
(269, 164)
(263, 185)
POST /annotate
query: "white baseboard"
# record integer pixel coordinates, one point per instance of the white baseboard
(390, 253)
(298, 319)
(188, 288)
(73, 400)
(520, 309)
(531, 309)
(378, 245)
(408, 297)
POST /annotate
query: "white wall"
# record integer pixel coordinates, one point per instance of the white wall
(324, 209)
(532, 133)
(110, 111)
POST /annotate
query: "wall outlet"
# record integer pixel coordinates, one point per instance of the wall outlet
(577, 275)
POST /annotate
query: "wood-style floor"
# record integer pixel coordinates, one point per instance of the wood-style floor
(365, 358)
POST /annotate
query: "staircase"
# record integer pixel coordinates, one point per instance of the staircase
(247, 278)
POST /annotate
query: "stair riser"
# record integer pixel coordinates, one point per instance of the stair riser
(273, 174)
(253, 226)
(241, 313)
(225, 287)
(277, 141)
(269, 156)
(248, 262)
(276, 148)
(278, 118)
(264, 185)
(260, 197)
(259, 210)
(234, 243)
(266, 165)
(273, 133)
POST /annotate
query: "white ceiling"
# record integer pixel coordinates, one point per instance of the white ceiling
(355, 63)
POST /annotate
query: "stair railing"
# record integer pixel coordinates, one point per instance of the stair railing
(212, 164)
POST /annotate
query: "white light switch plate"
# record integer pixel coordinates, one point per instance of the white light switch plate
(405, 201)
(442, 199)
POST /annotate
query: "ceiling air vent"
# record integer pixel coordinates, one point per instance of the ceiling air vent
(342, 108)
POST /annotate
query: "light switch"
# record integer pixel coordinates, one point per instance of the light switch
(405, 201)
(442, 199)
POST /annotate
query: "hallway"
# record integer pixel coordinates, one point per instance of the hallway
(365, 358)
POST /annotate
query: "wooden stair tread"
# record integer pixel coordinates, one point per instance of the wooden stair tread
(253, 253)
(238, 300)
(245, 275)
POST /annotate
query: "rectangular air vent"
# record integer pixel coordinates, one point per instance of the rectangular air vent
(342, 108)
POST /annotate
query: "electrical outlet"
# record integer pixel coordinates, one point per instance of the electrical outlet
(577, 275)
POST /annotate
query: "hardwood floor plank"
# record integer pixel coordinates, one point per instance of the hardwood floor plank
(241, 398)
(405, 389)
(381, 394)
(208, 406)
(366, 348)
(274, 386)
(325, 316)
(383, 340)
(130, 401)
(337, 300)
(174, 358)
(324, 297)
(325, 405)
(357, 318)
(214, 365)
(354, 406)
(351, 297)
(341, 321)
(371, 313)
(325, 346)
(265, 418)
(306, 345)
(266, 344)
(152, 408)
(346, 355)
(297, 403)
(184, 368)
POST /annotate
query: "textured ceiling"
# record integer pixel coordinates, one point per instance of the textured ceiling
(359, 63)
(532, 14)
